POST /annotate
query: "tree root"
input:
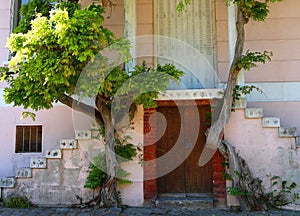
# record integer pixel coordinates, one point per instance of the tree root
(254, 199)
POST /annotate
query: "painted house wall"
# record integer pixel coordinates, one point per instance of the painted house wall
(275, 34)
(279, 79)
(58, 123)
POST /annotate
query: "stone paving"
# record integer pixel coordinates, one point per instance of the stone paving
(47, 211)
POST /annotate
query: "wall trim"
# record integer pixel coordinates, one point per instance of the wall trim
(275, 91)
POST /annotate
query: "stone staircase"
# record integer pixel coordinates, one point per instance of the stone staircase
(53, 174)
(269, 148)
(271, 122)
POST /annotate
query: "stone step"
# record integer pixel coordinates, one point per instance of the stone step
(68, 144)
(38, 163)
(23, 172)
(190, 202)
(54, 154)
(8, 182)
(271, 122)
(287, 132)
(254, 113)
(83, 134)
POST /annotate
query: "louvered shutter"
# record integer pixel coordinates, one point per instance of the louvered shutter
(194, 27)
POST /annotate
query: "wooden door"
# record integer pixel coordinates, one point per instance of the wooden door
(188, 179)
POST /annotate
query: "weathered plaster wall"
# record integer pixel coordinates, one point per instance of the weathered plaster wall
(62, 182)
(265, 152)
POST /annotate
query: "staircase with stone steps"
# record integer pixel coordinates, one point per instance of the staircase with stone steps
(62, 173)
(269, 148)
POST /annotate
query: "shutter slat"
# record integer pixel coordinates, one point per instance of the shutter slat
(194, 27)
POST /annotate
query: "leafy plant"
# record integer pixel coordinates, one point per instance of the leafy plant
(236, 192)
(239, 91)
(283, 193)
(17, 202)
(125, 151)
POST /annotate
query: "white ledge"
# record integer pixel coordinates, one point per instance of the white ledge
(192, 94)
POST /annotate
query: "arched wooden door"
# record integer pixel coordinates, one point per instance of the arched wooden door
(188, 179)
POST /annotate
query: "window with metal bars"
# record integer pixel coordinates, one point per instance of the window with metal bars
(28, 139)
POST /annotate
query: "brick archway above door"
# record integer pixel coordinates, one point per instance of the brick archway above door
(186, 181)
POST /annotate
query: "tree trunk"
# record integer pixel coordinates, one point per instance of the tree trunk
(238, 169)
(108, 193)
(254, 198)
(215, 131)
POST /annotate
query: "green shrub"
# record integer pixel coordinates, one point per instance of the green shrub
(17, 202)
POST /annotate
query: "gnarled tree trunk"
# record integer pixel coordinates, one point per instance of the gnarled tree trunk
(244, 181)
(108, 194)
(215, 131)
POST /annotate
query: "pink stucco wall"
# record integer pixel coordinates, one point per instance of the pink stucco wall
(280, 33)
(287, 111)
(57, 124)
(264, 151)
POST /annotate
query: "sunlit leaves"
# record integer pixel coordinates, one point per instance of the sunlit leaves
(50, 56)
(182, 5)
(257, 10)
(251, 59)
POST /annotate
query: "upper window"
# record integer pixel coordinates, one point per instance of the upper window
(188, 41)
(28, 139)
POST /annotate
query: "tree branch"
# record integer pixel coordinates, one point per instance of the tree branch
(214, 136)
(81, 107)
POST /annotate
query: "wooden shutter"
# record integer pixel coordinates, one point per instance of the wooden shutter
(194, 27)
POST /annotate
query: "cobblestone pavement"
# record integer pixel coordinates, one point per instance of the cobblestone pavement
(46, 211)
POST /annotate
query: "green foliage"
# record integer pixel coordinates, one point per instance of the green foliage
(151, 82)
(258, 10)
(97, 176)
(17, 202)
(250, 59)
(62, 51)
(225, 175)
(240, 91)
(182, 4)
(283, 193)
(27, 114)
(50, 57)
(28, 11)
(236, 192)
(3, 73)
(124, 151)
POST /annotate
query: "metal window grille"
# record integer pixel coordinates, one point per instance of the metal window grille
(28, 139)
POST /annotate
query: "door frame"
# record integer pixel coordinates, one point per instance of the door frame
(150, 181)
